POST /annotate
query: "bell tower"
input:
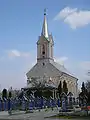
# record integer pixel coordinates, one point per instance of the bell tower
(45, 43)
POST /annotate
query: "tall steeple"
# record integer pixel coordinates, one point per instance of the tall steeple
(45, 43)
(45, 26)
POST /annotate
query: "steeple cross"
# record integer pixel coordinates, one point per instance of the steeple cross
(45, 11)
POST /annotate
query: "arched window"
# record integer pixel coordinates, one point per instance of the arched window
(43, 49)
(43, 64)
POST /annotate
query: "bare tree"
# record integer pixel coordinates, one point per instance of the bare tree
(38, 83)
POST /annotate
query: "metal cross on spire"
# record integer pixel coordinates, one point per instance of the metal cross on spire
(45, 11)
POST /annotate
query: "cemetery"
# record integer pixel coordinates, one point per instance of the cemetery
(21, 105)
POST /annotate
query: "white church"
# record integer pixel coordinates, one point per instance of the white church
(46, 70)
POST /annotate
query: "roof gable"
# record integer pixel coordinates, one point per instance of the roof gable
(62, 68)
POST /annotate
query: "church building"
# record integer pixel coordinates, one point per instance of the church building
(46, 70)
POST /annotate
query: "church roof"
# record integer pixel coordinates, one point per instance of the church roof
(51, 69)
(47, 70)
(61, 68)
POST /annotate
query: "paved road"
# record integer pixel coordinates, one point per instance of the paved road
(21, 116)
(29, 116)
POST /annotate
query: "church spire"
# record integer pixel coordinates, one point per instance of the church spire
(45, 26)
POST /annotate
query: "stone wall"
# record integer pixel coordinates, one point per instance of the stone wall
(71, 82)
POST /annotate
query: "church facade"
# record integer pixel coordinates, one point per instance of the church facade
(46, 70)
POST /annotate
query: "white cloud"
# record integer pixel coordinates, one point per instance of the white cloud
(16, 53)
(61, 60)
(74, 17)
(64, 13)
(13, 73)
(81, 70)
(85, 65)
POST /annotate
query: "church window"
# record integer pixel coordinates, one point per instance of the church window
(43, 64)
(43, 49)
(43, 52)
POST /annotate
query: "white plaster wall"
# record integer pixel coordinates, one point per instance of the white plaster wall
(71, 83)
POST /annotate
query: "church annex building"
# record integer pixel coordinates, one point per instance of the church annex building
(46, 70)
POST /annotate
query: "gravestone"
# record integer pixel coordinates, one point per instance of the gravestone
(64, 101)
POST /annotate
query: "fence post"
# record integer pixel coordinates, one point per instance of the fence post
(9, 106)
(5, 104)
(23, 104)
